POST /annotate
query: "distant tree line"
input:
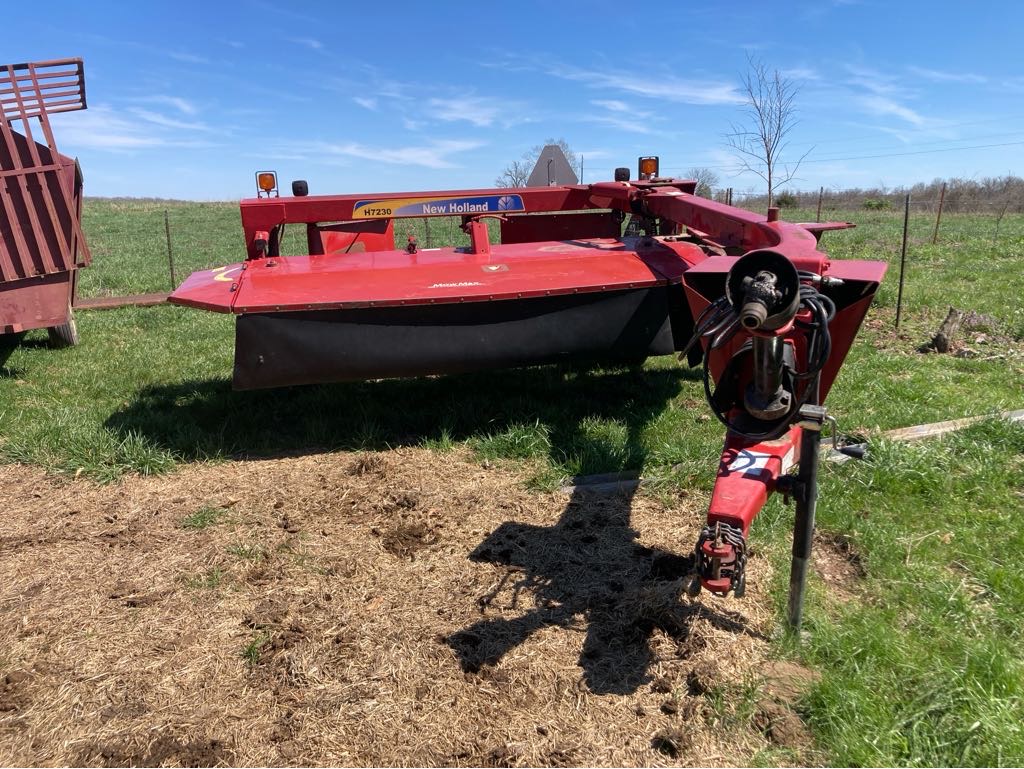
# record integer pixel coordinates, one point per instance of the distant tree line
(994, 194)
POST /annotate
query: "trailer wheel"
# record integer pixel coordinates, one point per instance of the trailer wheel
(64, 335)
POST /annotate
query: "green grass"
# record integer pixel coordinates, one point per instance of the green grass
(169, 400)
(204, 518)
(210, 579)
(248, 551)
(128, 241)
(252, 651)
(921, 667)
(149, 388)
(925, 669)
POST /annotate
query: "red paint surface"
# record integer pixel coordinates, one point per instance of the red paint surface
(388, 278)
(747, 474)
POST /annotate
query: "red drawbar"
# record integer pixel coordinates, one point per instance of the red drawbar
(747, 473)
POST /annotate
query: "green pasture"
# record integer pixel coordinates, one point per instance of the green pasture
(922, 666)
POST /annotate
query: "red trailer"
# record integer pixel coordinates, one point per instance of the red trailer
(750, 299)
(41, 241)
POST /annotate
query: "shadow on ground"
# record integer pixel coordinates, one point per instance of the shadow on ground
(9, 343)
(586, 567)
(549, 409)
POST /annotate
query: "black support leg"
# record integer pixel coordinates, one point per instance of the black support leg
(811, 420)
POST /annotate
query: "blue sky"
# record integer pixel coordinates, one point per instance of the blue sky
(188, 99)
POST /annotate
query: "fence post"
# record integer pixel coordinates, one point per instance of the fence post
(426, 226)
(938, 216)
(903, 259)
(821, 191)
(170, 256)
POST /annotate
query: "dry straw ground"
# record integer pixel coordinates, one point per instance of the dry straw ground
(387, 608)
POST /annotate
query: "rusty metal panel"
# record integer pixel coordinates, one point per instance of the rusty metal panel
(43, 302)
(40, 229)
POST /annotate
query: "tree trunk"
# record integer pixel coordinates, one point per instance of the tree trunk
(943, 338)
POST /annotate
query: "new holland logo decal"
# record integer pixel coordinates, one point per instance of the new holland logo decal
(395, 208)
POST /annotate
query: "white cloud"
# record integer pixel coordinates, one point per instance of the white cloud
(887, 96)
(480, 112)
(653, 86)
(365, 102)
(877, 82)
(881, 105)
(433, 155)
(188, 58)
(611, 104)
(309, 42)
(801, 73)
(622, 117)
(622, 123)
(166, 122)
(182, 105)
(102, 128)
(938, 76)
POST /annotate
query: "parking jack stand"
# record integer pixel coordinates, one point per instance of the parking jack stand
(805, 494)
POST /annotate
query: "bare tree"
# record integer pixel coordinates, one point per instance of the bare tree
(770, 115)
(706, 180)
(516, 173)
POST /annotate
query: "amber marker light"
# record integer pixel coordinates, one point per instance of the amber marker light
(648, 167)
(267, 182)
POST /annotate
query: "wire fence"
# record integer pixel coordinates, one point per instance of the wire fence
(151, 246)
(953, 197)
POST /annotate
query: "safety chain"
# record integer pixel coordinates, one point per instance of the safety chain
(718, 535)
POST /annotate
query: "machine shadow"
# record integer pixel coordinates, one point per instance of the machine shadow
(9, 343)
(555, 404)
(588, 568)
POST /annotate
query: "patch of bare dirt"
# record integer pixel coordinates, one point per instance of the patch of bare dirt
(385, 608)
(14, 694)
(786, 681)
(405, 539)
(838, 564)
(782, 726)
(165, 750)
(782, 684)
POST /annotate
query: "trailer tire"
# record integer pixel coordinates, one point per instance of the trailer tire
(64, 335)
